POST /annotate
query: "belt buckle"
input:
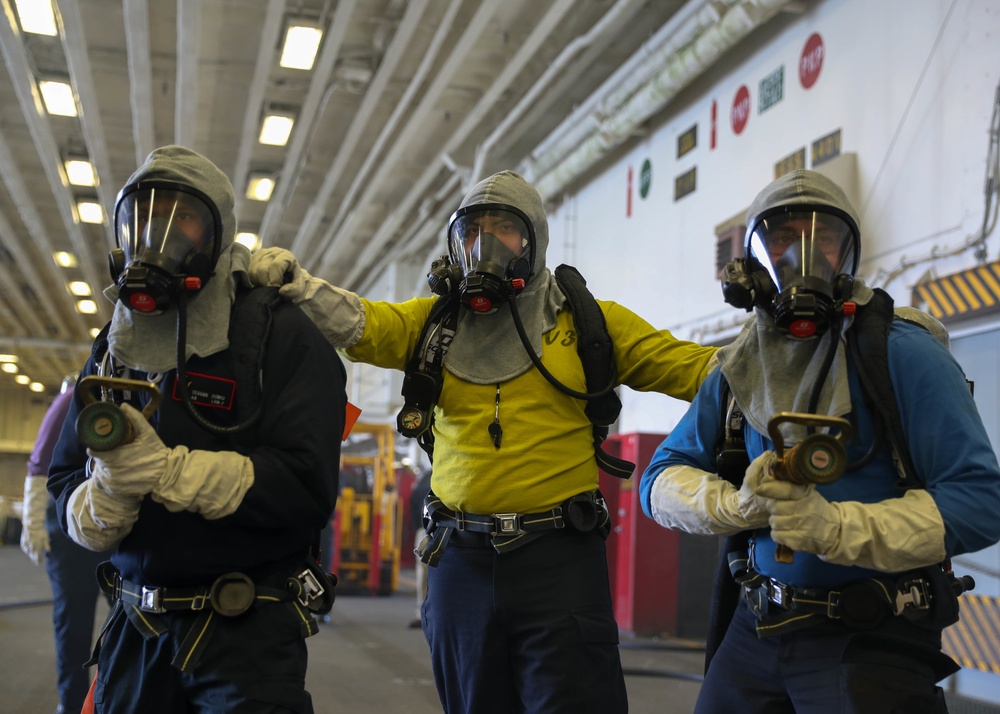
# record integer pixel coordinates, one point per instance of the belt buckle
(506, 524)
(152, 600)
(914, 596)
(778, 594)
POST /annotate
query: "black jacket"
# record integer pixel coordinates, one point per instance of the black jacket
(294, 447)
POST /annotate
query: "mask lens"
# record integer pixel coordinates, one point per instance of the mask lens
(799, 245)
(165, 228)
(495, 237)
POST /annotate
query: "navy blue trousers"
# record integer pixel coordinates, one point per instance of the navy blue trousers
(72, 574)
(888, 670)
(530, 630)
(254, 663)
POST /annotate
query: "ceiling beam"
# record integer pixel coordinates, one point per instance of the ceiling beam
(140, 75)
(311, 112)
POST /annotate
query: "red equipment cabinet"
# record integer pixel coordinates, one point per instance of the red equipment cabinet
(661, 579)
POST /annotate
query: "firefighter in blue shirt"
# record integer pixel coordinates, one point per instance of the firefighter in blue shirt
(852, 621)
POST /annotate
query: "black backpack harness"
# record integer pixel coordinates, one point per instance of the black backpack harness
(423, 377)
(422, 384)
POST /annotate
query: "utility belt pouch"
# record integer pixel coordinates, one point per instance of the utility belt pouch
(929, 598)
(313, 588)
(587, 511)
(232, 594)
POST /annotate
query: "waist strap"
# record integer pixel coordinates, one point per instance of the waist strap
(230, 595)
(507, 531)
(928, 594)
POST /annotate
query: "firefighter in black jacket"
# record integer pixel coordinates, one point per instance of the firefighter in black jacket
(213, 512)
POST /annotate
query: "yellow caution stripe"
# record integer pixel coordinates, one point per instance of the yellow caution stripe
(971, 292)
(974, 641)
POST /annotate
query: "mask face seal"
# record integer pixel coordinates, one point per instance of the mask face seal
(492, 245)
(168, 238)
(800, 265)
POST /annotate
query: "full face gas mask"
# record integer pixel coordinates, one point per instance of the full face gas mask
(799, 267)
(168, 239)
(492, 245)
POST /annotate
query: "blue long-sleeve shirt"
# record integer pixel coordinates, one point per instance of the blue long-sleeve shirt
(948, 444)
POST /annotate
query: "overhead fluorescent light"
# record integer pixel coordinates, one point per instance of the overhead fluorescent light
(36, 387)
(80, 172)
(86, 307)
(301, 45)
(276, 129)
(79, 288)
(9, 367)
(250, 240)
(36, 17)
(90, 212)
(9, 358)
(64, 259)
(95, 331)
(22, 379)
(58, 98)
(260, 186)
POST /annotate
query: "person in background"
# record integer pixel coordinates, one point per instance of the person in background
(417, 496)
(518, 614)
(70, 567)
(845, 582)
(213, 503)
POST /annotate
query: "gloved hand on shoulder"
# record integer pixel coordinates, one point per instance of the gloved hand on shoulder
(277, 267)
(339, 314)
(212, 483)
(34, 535)
(892, 536)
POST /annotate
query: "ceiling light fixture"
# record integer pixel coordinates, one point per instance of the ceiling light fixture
(9, 367)
(86, 307)
(80, 172)
(9, 358)
(250, 240)
(301, 45)
(90, 212)
(79, 288)
(95, 331)
(58, 98)
(22, 379)
(260, 186)
(276, 129)
(36, 17)
(64, 259)
(37, 387)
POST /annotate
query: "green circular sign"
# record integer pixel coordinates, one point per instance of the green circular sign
(645, 178)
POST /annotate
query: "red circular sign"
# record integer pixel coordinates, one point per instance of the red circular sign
(811, 61)
(741, 109)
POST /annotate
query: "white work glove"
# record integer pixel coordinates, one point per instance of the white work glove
(696, 501)
(211, 483)
(34, 534)
(133, 469)
(338, 313)
(98, 520)
(892, 536)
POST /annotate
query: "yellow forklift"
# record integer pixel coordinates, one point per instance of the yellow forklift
(367, 525)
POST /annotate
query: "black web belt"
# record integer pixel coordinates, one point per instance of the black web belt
(583, 512)
(859, 605)
(229, 596)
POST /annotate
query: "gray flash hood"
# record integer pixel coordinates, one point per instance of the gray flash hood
(149, 342)
(487, 349)
(767, 372)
